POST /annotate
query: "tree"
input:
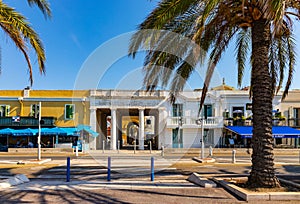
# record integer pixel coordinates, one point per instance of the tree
(261, 29)
(21, 33)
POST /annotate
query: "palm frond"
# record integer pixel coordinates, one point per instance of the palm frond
(43, 5)
(291, 64)
(242, 49)
(20, 30)
(166, 12)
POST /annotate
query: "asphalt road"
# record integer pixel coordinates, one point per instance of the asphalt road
(93, 168)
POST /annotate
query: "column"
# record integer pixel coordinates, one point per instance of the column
(93, 119)
(162, 134)
(113, 139)
(141, 128)
(93, 124)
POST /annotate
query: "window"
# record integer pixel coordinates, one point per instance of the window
(4, 110)
(69, 111)
(297, 116)
(177, 110)
(177, 138)
(208, 111)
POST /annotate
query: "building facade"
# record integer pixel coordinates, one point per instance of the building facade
(20, 110)
(179, 125)
(129, 119)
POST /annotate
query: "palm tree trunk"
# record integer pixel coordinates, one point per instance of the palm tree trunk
(263, 171)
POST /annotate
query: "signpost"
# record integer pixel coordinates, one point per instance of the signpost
(200, 122)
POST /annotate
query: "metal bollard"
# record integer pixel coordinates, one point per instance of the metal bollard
(103, 146)
(210, 151)
(118, 146)
(68, 169)
(162, 151)
(150, 144)
(233, 156)
(152, 169)
(108, 168)
(134, 149)
(76, 151)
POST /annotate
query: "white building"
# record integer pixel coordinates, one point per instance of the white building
(129, 118)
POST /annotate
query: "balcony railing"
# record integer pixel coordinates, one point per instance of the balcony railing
(240, 122)
(27, 122)
(190, 122)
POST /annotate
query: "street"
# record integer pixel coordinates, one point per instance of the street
(130, 178)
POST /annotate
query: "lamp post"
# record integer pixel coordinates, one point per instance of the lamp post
(180, 123)
(39, 136)
(200, 122)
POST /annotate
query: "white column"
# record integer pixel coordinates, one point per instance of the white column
(93, 119)
(93, 124)
(141, 129)
(113, 139)
(162, 124)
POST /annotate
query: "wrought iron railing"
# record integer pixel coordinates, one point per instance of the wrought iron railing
(26, 122)
(192, 121)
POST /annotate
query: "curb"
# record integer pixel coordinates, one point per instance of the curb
(203, 182)
(13, 181)
(255, 196)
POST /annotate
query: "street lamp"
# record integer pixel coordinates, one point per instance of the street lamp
(200, 122)
(180, 123)
(39, 133)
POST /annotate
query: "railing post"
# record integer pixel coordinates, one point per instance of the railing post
(134, 147)
(68, 169)
(210, 151)
(150, 143)
(108, 168)
(76, 151)
(118, 146)
(103, 146)
(233, 156)
(152, 169)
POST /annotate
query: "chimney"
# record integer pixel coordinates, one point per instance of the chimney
(26, 92)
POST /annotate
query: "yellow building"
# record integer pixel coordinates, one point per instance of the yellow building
(20, 109)
(68, 108)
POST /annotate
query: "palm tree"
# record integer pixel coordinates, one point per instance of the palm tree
(261, 28)
(19, 30)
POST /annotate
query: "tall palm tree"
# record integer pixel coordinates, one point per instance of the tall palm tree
(261, 29)
(19, 30)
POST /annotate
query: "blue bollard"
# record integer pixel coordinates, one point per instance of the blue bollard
(152, 168)
(108, 168)
(68, 169)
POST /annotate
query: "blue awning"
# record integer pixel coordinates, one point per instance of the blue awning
(87, 129)
(278, 131)
(53, 131)
(25, 132)
(59, 131)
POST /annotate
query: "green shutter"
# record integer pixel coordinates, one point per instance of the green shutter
(70, 111)
(7, 109)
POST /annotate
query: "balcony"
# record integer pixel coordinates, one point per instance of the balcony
(27, 122)
(248, 122)
(190, 122)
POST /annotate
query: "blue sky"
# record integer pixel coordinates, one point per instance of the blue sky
(76, 30)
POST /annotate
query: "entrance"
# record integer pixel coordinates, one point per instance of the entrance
(127, 125)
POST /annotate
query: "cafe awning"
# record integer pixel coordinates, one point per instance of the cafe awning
(278, 131)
